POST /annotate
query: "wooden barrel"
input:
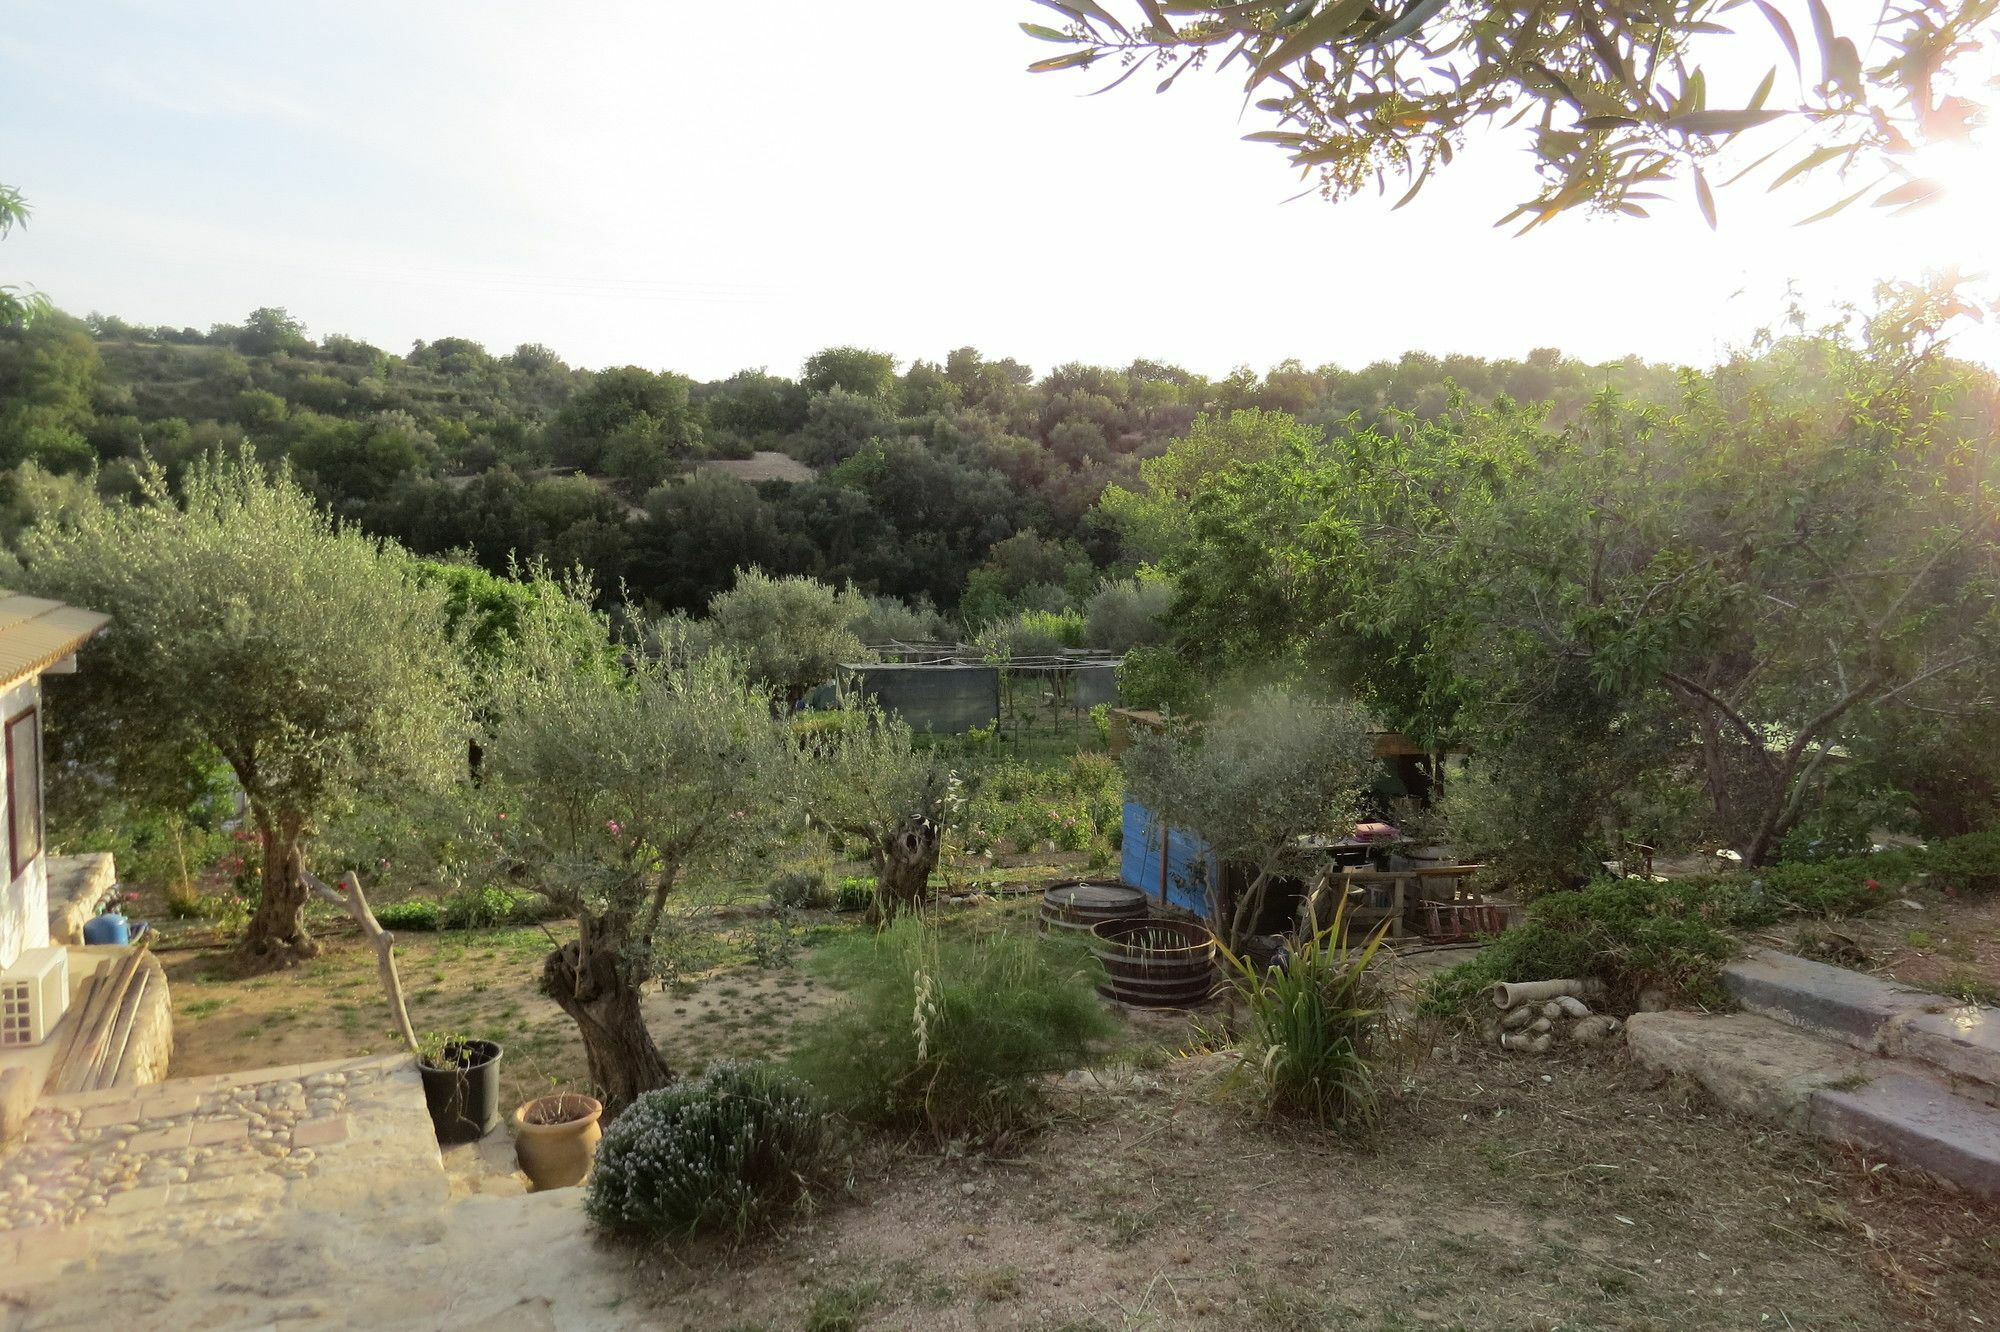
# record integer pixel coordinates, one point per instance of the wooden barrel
(1076, 906)
(1155, 963)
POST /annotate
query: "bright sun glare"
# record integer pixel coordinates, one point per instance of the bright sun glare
(1961, 226)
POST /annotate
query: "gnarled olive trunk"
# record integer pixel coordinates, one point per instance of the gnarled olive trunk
(588, 979)
(903, 866)
(277, 930)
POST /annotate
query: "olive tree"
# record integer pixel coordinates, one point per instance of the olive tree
(1252, 784)
(248, 625)
(869, 780)
(608, 789)
(790, 632)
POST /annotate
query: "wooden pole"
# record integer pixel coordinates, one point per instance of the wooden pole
(349, 898)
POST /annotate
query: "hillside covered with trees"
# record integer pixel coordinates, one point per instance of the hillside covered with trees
(969, 482)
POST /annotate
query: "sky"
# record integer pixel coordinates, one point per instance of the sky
(705, 187)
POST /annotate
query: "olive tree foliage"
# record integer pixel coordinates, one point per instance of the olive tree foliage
(608, 789)
(17, 305)
(1616, 101)
(1126, 613)
(246, 624)
(868, 780)
(1252, 783)
(790, 632)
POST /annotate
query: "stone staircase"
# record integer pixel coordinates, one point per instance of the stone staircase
(1847, 1057)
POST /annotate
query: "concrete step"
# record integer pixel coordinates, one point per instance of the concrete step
(1959, 1041)
(1773, 1070)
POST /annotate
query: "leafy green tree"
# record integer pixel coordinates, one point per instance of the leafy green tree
(269, 330)
(1252, 784)
(866, 374)
(251, 627)
(1152, 519)
(1801, 548)
(608, 792)
(790, 633)
(1614, 102)
(628, 403)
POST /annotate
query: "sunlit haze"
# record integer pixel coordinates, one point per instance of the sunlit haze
(709, 187)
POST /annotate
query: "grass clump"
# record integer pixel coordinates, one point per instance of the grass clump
(726, 1152)
(951, 1034)
(1313, 1025)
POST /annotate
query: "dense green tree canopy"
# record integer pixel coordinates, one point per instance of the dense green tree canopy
(1801, 548)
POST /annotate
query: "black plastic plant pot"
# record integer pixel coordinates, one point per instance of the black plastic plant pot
(464, 1095)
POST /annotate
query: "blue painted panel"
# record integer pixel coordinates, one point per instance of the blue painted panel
(1189, 869)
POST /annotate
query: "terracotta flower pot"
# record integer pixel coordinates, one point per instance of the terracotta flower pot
(555, 1138)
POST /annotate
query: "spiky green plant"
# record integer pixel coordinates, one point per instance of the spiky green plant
(1314, 1026)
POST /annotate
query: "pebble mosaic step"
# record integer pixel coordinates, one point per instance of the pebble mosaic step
(110, 1170)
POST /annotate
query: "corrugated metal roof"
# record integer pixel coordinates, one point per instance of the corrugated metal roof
(36, 633)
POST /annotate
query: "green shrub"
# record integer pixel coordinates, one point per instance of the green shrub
(1673, 936)
(951, 1035)
(1313, 1026)
(856, 892)
(419, 913)
(726, 1152)
(481, 908)
(1970, 863)
(1631, 934)
(796, 890)
(468, 909)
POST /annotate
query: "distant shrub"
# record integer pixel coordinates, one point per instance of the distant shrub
(727, 1152)
(855, 892)
(1128, 613)
(468, 909)
(481, 908)
(951, 1035)
(1160, 679)
(796, 890)
(419, 913)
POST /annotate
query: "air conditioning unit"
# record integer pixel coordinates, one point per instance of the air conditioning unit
(33, 994)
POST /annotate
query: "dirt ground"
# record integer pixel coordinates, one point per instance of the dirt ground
(475, 982)
(1503, 1194)
(1919, 935)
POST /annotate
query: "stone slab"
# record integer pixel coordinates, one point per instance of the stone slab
(1917, 1120)
(1753, 1065)
(1962, 1041)
(1846, 1005)
(78, 886)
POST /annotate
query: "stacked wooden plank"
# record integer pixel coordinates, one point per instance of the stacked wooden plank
(97, 1040)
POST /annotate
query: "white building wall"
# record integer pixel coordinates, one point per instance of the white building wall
(24, 903)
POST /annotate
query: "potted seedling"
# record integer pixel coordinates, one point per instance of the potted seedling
(461, 1078)
(555, 1138)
